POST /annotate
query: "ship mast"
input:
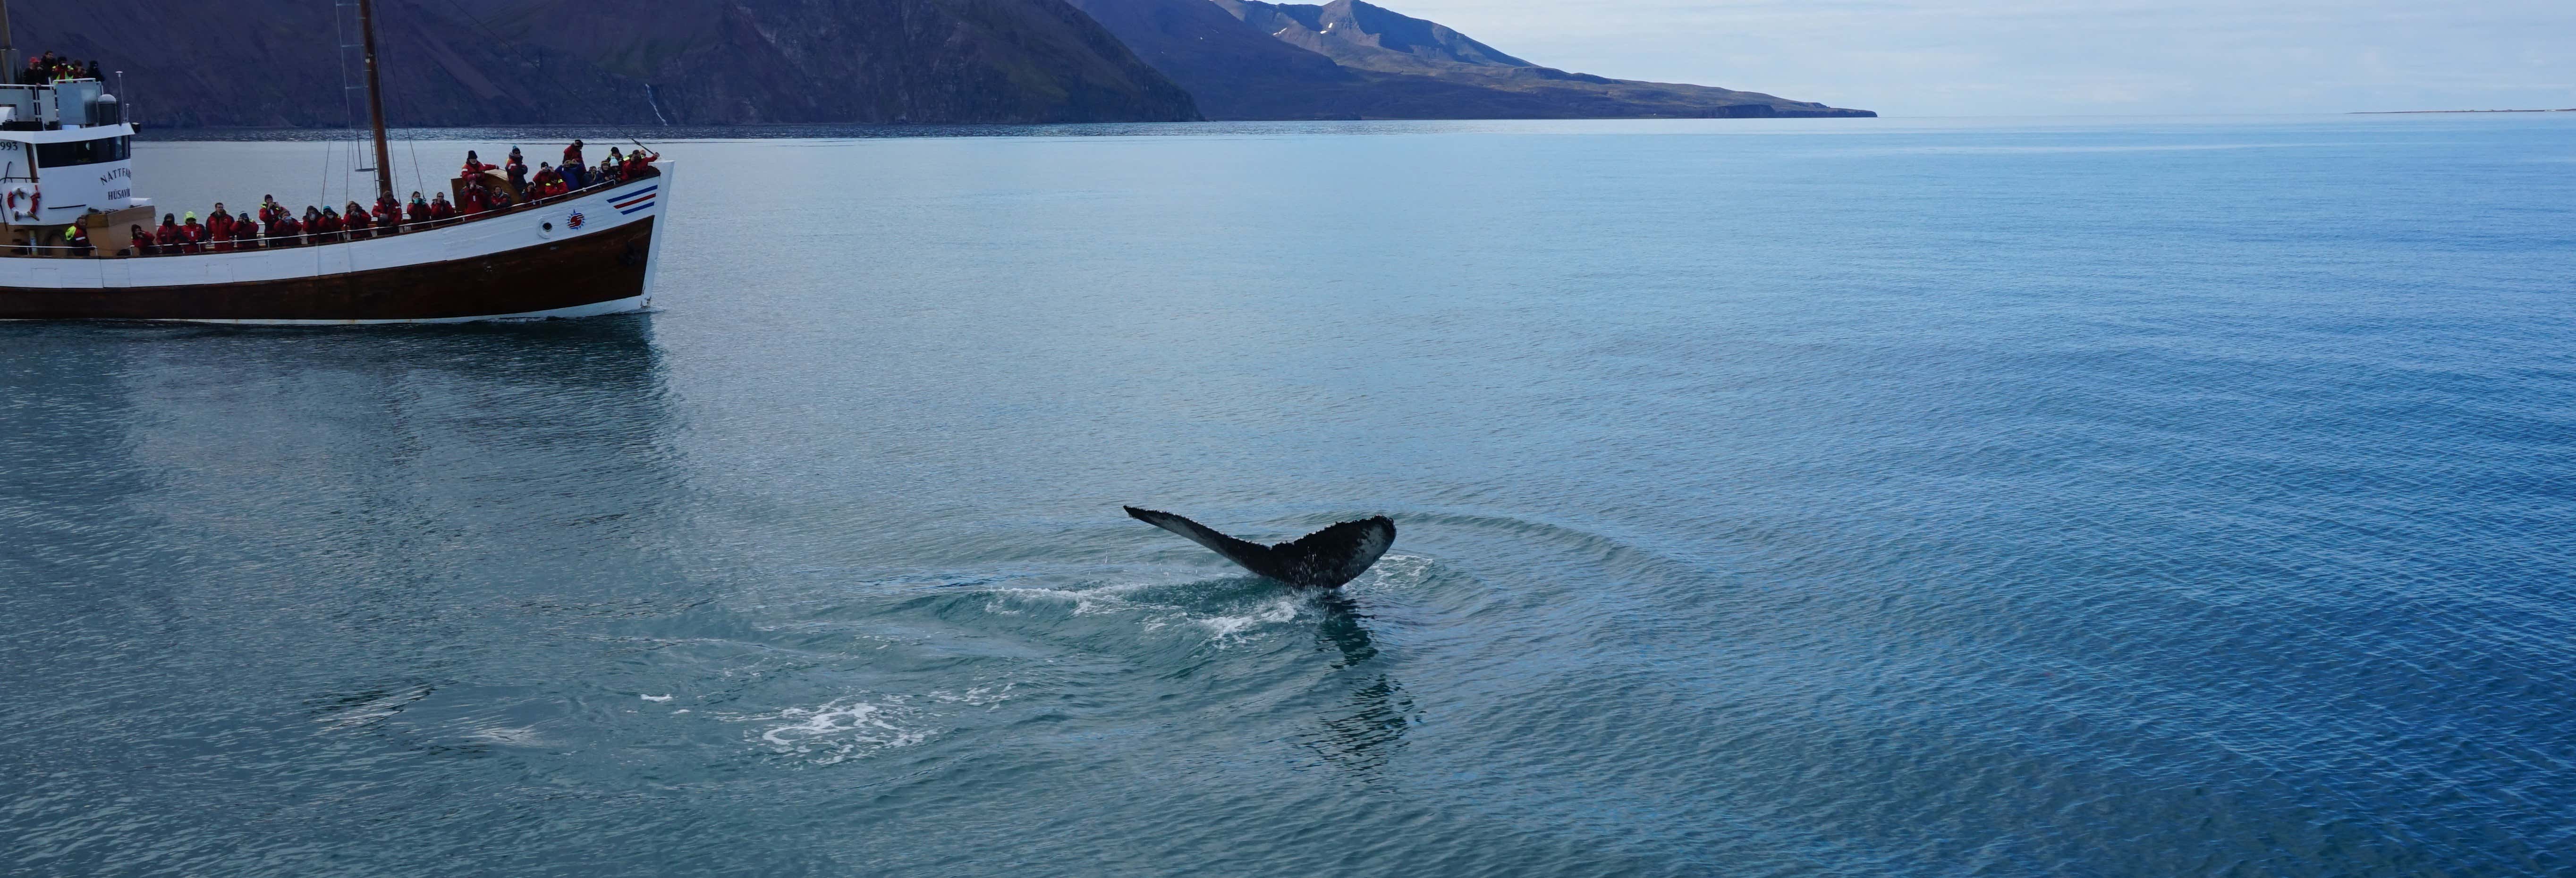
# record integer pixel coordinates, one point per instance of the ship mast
(8, 50)
(375, 97)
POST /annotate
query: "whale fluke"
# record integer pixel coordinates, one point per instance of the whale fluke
(1323, 559)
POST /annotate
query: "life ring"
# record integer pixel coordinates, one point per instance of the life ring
(35, 203)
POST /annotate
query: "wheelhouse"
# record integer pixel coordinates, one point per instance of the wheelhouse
(65, 160)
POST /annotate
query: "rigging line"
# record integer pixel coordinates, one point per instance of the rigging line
(327, 149)
(418, 183)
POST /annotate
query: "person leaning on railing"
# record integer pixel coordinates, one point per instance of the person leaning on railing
(285, 231)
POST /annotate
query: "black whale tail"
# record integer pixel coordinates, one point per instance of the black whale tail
(1323, 559)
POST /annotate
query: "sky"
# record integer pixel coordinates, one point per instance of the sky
(2025, 57)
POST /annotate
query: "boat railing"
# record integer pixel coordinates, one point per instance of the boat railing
(313, 239)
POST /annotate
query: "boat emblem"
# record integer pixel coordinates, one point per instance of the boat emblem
(574, 220)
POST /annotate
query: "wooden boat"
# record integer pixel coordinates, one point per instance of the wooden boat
(65, 161)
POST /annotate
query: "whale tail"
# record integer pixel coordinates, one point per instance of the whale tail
(1323, 559)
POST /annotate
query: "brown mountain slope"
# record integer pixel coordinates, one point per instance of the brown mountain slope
(1350, 60)
(273, 62)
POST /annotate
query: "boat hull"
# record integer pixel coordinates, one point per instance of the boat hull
(584, 256)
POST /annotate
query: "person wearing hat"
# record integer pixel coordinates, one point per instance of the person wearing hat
(516, 168)
(76, 240)
(192, 235)
(245, 233)
(575, 170)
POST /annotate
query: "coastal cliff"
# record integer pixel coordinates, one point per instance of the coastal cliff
(702, 62)
(1354, 60)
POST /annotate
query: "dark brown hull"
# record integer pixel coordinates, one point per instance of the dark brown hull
(605, 266)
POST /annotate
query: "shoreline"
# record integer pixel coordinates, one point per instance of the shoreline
(2418, 112)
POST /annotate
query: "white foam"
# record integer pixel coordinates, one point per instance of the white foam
(1224, 628)
(838, 730)
(515, 736)
(657, 699)
(987, 697)
(1086, 602)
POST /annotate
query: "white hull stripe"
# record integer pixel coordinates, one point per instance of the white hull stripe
(478, 238)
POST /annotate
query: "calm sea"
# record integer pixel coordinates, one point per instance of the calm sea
(1853, 497)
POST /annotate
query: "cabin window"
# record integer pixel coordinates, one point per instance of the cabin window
(84, 152)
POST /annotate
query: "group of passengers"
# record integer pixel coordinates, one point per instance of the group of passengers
(276, 225)
(50, 68)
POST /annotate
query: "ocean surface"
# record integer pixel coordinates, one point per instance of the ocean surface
(1840, 497)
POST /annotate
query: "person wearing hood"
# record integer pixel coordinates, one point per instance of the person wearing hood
(517, 170)
(575, 168)
(168, 236)
(143, 245)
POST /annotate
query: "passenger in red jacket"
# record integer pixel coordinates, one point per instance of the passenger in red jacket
(354, 218)
(168, 237)
(219, 232)
(287, 232)
(245, 233)
(475, 201)
(573, 166)
(143, 245)
(439, 209)
(192, 235)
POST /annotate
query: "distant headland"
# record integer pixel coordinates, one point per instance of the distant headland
(932, 62)
(2414, 112)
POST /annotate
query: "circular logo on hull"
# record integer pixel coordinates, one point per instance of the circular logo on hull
(574, 220)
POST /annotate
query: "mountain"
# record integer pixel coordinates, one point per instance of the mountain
(707, 62)
(1353, 60)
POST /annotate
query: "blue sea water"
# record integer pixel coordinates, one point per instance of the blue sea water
(1847, 497)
